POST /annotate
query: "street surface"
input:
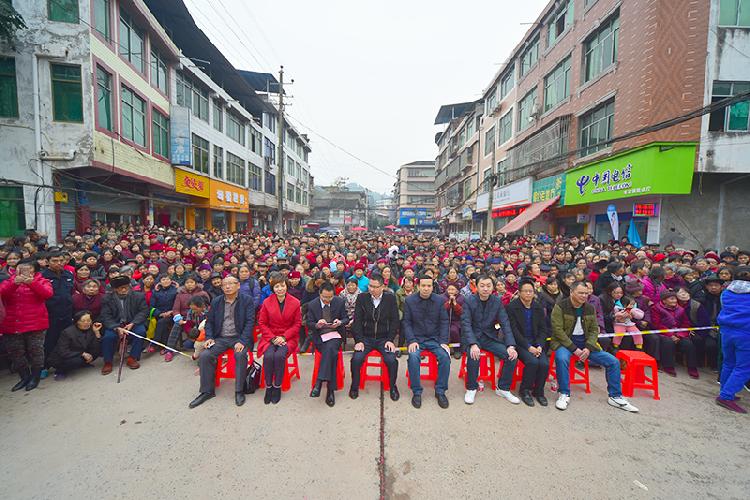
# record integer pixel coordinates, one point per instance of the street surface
(87, 437)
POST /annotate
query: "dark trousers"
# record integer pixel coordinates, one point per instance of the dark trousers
(389, 358)
(56, 326)
(274, 364)
(163, 329)
(25, 350)
(67, 365)
(207, 363)
(535, 371)
(669, 347)
(498, 349)
(110, 339)
(444, 366)
(706, 347)
(329, 357)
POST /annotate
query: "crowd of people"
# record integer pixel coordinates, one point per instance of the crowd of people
(534, 299)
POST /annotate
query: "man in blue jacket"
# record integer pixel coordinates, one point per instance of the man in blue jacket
(426, 327)
(734, 321)
(229, 325)
(485, 326)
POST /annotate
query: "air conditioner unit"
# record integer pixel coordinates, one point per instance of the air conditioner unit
(535, 113)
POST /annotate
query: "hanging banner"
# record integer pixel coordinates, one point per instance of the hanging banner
(614, 221)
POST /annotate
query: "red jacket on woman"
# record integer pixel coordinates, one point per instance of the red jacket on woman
(273, 323)
(25, 309)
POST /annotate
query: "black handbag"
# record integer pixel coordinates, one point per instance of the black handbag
(252, 379)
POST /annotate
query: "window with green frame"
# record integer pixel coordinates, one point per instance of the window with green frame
(133, 110)
(734, 13)
(103, 18)
(160, 134)
(8, 88)
(13, 222)
(65, 11)
(67, 97)
(132, 43)
(104, 99)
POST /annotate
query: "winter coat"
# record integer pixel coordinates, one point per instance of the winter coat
(136, 310)
(182, 300)
(444, 284)
(425, 319)
(60, 305)
(517, 316)
(163, 298)
(478, 320)
(274, 322)
(665, 318)
(74, 342)
(25, 308)
(652, 290)
(244, 319)
(350, 300)
(735, 312)
(563, 324)
(454, 317)
(251, 288)
(82, 302)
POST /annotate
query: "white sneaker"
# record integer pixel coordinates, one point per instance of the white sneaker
(469, 397)
(562, 401)
(507, 395)
(622, 403)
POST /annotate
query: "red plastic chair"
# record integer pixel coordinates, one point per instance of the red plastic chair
(635, 376)
(292, 370)
(517, 374)
(366, 376)
(430, 362)
(577, 376)
(339, 370)
(486, 368)
(226, 364)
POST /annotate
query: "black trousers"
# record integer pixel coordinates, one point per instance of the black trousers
(706, 347)
(389, 358)
(163, 329)
(669, 347)
(67, 365)
(207, 363)
(274, 364)
(535, 371)
(329, 357)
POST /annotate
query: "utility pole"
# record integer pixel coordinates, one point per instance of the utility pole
(280, 158)
(492, 179)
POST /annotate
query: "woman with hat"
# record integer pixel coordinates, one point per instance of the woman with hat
(279, 320)
(668, 315)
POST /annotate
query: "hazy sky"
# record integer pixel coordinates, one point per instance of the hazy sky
(369, 76)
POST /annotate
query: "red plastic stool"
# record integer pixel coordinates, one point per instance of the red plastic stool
(365, 376)
(339, 370)
(486, 368)
(517, 374)
(292, 370)
(225, 365)
(635, 377)
(429, 362)
(577, 376)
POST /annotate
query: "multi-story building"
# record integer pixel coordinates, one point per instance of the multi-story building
(414, 195)
(124, 111)
(564, 133)
(339, 207)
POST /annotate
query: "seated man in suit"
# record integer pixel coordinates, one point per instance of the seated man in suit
(229, 325)
(426, 326)
(485, 325)
(375, 327)
(326, 319)
(123, 309)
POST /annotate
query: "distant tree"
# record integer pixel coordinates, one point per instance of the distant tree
(10, 21)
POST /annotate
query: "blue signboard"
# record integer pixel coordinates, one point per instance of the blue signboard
(416, 217)
(179, 132)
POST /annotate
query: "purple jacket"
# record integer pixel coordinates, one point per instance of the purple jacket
(597, 303)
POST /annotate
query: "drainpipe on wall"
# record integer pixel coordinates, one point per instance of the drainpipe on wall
(720, 218)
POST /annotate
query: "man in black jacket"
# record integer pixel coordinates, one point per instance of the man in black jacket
(229, 325)
(60, 305)
(485, 325)
(375, 328)
(122, 309)
(326, 319)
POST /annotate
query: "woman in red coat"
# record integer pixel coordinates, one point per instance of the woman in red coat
(279, 320)
(24, 295)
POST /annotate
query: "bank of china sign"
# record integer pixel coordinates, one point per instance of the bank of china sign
(663, 168)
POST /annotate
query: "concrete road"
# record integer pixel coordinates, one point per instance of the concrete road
(88, 437)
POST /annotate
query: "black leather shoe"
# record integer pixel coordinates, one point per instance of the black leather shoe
(239, 398)
(353, 393)
(542, 400)
(202, 398)
(315, 392)
(394, 393)
(442, 400)
(276, 396)
(25, 378)
(416, 401)
(267, 397)
(330, 398)
(527, 399)
(34, 380)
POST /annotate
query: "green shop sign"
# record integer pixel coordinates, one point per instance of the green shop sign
(547, 188)
(660, 168)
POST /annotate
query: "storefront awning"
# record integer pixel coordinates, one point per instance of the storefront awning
(528, 215)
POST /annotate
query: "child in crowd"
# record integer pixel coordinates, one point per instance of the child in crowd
(191, 325)
(625, 311)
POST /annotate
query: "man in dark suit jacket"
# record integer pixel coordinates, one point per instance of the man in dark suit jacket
(122, 309)
(375, 327)
(485, 325)
(426, 326)
(229, 325)
(326, 319)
